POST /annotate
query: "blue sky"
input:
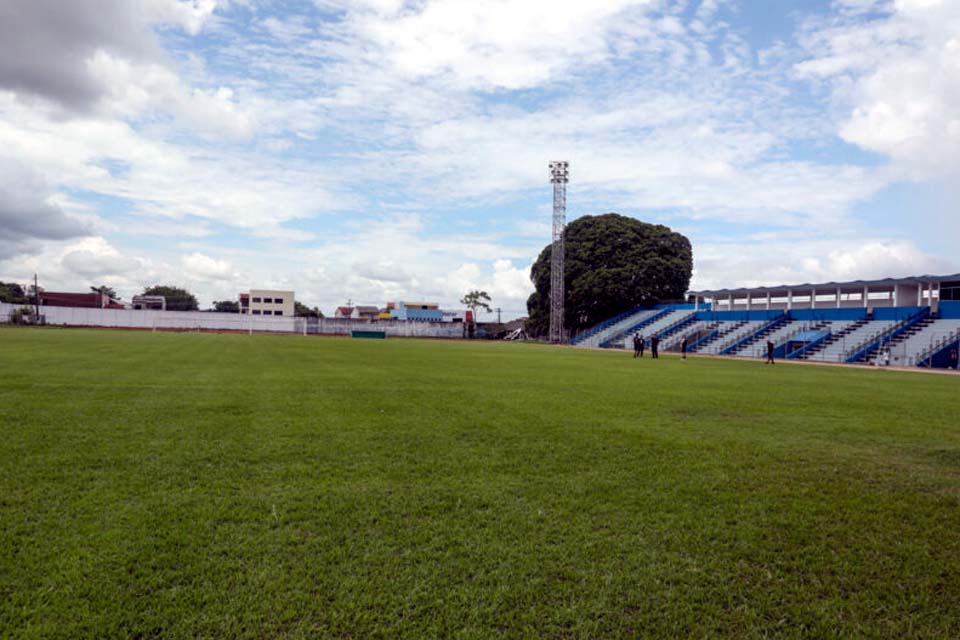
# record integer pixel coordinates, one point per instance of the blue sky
(376, 150)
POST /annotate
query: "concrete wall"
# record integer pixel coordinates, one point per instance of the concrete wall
(194, 320)
(739, 316)
(829, 314)
(949, 309)
(895, 313)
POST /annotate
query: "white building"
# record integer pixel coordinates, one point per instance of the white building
(264, 302)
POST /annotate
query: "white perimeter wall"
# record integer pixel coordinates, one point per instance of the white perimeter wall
(185, 320)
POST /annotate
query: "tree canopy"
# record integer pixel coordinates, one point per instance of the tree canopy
(474, 300)
(177, 299)
(226, 306)
(13, 293)
(303, 311)
(611, 263)
(110, 292)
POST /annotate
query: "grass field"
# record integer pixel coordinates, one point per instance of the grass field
(184, 485)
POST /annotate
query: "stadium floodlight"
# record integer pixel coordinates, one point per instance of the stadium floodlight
(559, 176)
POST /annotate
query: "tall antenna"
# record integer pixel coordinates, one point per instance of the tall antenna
(559, 176)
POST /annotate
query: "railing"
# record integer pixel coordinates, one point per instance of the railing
(925, 358)
(643, 323)
(736, 336)
(676, 326)
(580, 337)
(809, 346)
(710, 335)
(796, 328)
(888, 335)
(719, 334)
(767, 327)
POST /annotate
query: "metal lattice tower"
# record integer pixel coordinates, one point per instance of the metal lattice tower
(559, 176)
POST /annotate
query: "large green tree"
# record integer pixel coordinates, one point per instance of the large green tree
(612, 263)
(177, 299)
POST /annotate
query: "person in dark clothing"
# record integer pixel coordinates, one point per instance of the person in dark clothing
(636, 345)
(643, 343)
(770, 350)
(683, 348)
(654, 346)
(954, 359)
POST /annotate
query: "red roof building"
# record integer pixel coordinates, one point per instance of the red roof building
(92, 300)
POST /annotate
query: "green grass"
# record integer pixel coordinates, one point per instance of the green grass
(183, 485)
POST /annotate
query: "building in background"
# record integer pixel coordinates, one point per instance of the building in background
(345, 311)
(265, 302)
(419, 311)
(158, 303)
(92, 300)
(361, 312)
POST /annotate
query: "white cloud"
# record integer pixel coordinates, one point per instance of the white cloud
(288, 29)
(204, 267)
(898, 78)
(191, 15)
(160, 178)
(30, 211)
(93, 265)
(133, 90)
(497, 44)
(45, 44)
(769, 261)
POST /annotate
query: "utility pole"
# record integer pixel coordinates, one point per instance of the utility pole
(498, 315)
(36, 297)
(559, 176)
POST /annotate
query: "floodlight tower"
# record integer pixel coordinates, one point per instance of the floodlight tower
(559, 176)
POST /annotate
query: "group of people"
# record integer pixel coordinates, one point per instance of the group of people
(639, 344)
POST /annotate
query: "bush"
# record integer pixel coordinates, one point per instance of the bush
(23, 315)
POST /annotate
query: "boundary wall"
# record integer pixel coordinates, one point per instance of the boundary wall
(211, 321)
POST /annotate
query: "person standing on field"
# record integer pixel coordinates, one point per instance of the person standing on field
(683, 348)
(954, 359)
(643, 343)
(654, 346)
(636, 345)
(770, 349)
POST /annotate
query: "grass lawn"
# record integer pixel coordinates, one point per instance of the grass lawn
(184, 485)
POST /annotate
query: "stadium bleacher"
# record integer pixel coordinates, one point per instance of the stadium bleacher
(661, 325)
(615, 326)
(732, 333)
(911, 348)
(846, 339)
(917, 319)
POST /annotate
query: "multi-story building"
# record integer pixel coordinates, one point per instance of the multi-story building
(263, 302)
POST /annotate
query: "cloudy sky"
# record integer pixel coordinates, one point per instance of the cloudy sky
(375, 150)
